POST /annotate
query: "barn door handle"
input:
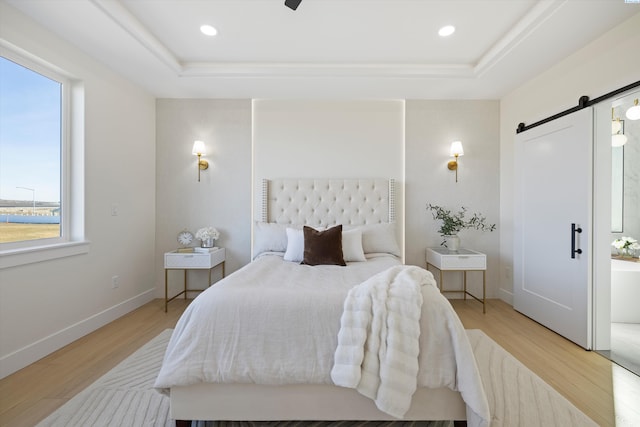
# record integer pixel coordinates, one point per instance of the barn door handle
(574, 230)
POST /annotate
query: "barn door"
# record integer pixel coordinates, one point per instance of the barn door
(552, 260)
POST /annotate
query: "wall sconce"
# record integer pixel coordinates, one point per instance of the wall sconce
(633, 113)
(618, 138)
(199, 150)
(456, 150)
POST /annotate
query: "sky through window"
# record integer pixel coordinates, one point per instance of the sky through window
(30, 134)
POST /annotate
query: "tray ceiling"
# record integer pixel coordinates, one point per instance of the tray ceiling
(329, 48)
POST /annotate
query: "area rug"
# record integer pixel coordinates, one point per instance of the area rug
(125, 396)
(517, 396)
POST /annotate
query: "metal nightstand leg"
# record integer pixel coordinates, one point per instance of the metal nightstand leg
(484, 291)
(166, 290)
(483, 300)
(464, 281)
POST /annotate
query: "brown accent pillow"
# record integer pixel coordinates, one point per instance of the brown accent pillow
(323, 247)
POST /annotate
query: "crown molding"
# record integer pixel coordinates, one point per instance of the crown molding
(523, 28)
(118, 13)
(284, 69)
(128, 22)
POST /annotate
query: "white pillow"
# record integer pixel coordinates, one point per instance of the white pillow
(295, 245)
(352, 245)
(378, 238)
(269, 237)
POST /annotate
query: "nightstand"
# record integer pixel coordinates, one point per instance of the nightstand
(461, 260)
(175, 260)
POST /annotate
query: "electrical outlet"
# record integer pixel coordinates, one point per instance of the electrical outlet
(115, 281)
(115, 209)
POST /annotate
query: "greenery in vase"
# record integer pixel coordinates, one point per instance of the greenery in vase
(453, 223)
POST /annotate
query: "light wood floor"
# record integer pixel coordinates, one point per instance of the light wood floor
(34, 392)
(587, 379)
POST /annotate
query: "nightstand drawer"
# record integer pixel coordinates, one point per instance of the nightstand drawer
(464, 259)
(193, 260)
(469, 262)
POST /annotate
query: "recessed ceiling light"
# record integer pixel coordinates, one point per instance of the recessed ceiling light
(446, 30)
(208, 30)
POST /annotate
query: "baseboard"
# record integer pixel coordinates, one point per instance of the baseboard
(33, 352)
(506, 296)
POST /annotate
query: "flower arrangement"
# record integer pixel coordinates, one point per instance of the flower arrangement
(207, 233)
(625, 245)
(453, 223)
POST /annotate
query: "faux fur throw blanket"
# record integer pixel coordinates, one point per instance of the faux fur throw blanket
(378, 342)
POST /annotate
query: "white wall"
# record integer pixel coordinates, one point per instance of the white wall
(304, 138)
(431, 126)
(46, 305)
(333, 139)
(608, 63)
(221, 199)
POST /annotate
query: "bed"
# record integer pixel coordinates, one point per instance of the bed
(264, 342)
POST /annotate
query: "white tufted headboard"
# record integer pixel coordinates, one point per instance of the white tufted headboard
(325, 202)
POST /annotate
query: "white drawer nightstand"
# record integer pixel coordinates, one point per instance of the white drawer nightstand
(175, 260)
(461, 260)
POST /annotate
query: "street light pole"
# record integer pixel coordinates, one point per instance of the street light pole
(33, 194)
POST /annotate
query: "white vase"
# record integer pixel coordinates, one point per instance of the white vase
(452, 242)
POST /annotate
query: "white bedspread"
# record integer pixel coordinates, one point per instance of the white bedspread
(271, 322)
(276, 322)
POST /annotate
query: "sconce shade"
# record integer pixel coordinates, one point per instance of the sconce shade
(198, 148)
(456, 149)
(616, 126)
(618, 140)
(633, 113)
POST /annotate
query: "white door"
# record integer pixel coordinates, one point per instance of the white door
(552, 259)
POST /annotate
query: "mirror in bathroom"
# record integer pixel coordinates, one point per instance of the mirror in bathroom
(617, 189)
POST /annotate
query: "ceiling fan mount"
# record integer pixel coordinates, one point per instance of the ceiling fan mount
(292, 4)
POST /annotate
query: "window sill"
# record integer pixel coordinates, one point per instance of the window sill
(16, 257)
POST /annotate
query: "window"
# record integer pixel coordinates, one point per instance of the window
(37, 211)
(30, 154)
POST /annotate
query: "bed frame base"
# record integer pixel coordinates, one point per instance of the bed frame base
(187, 423)
(249, 402)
